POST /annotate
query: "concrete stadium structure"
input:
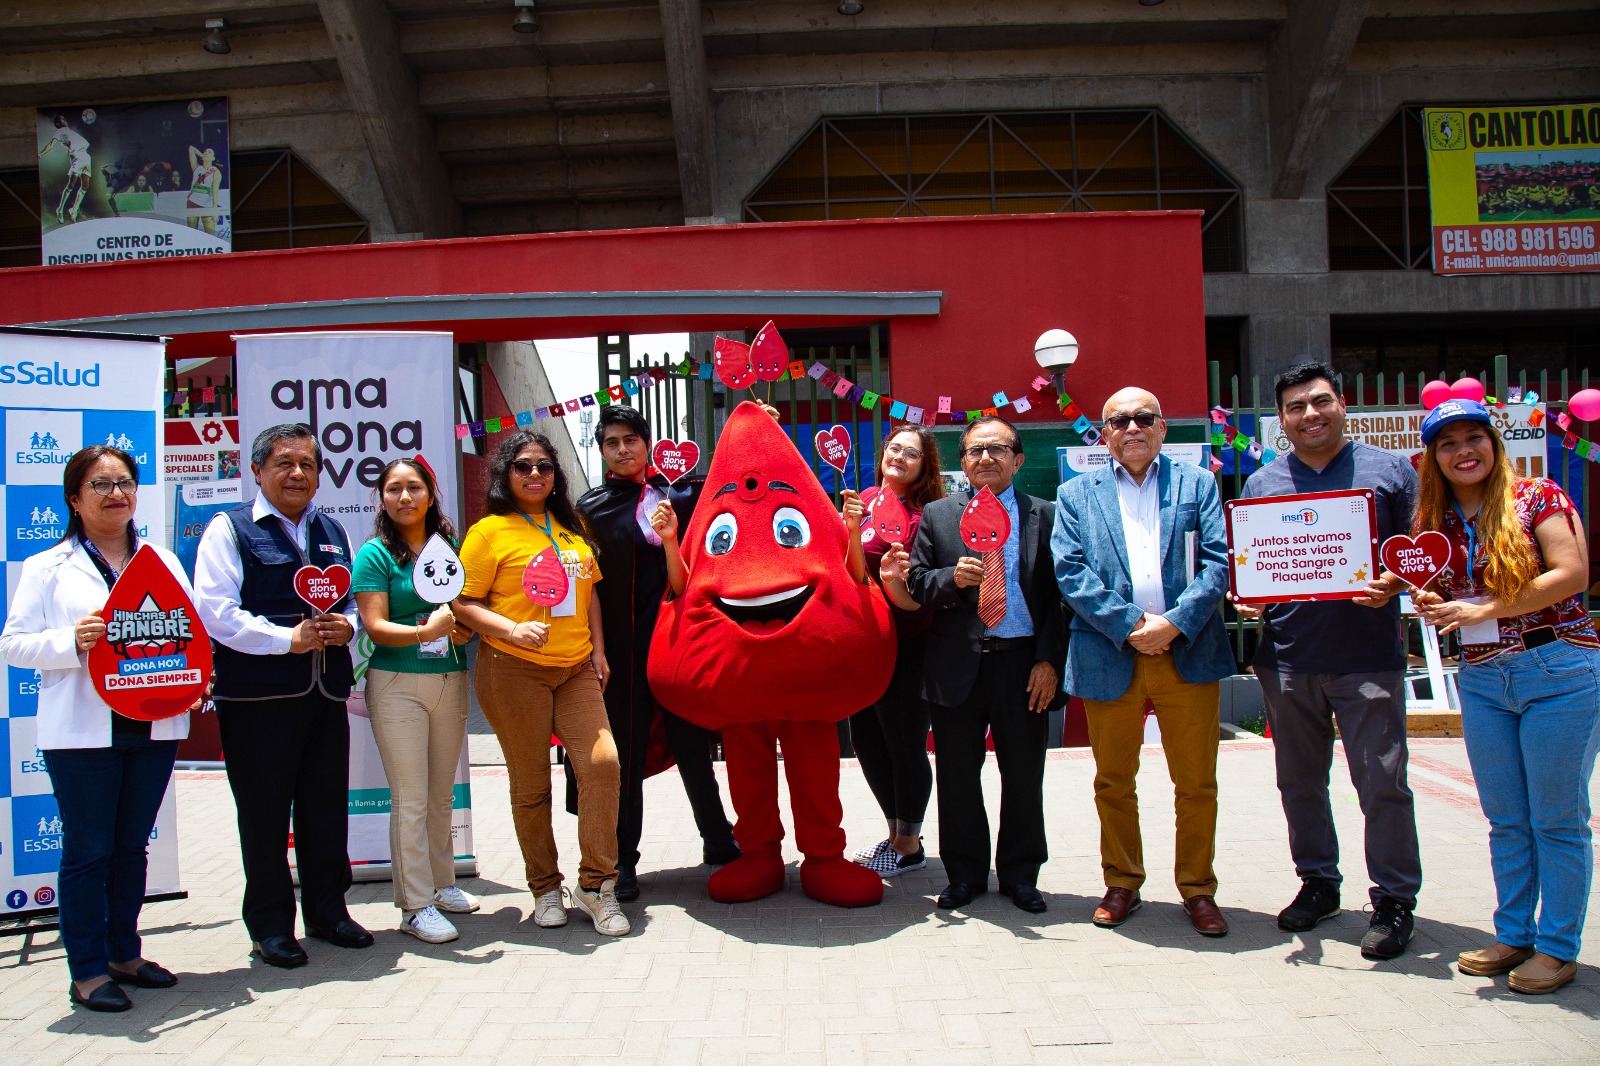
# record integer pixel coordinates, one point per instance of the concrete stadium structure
(1291, 121)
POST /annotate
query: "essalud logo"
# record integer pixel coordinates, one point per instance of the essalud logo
(43, 449)
(44, 523)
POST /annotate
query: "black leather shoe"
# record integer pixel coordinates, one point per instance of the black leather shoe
(282, 951)
(627, 889)
(108, 998)
(1026, 897)
(958, 894)
(148, 975)
(344, 934)
(721, 853)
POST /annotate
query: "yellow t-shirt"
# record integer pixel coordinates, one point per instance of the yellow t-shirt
(494, 554)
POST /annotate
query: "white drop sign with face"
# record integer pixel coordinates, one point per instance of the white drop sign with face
(438, 575)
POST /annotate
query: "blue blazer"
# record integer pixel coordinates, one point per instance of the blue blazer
(1091, 559)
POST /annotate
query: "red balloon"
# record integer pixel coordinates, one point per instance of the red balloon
(1468, 388)
(155, 658)
(1585, 405)
(1435, 393)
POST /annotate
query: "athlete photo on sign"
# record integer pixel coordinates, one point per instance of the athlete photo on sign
(76, 186)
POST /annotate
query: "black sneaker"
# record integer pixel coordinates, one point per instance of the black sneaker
(627, 888)
(1390, 930)
(1318, 899)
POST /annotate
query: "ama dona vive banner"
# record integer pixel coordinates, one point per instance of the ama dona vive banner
(134, 181)
(60, 393)
(369, 397)
(1515, 189)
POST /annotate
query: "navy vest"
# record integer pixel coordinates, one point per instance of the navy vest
(268, 559)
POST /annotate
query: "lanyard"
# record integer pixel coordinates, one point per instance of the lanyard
(1472, 542)
(545, 528)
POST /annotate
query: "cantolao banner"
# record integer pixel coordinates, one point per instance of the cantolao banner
(369, 397)
(61, 393)
(1515, 189)
(134, 181)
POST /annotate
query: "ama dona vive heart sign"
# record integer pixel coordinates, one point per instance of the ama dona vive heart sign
(155, 658)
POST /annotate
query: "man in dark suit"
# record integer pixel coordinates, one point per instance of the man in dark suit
(993, 668)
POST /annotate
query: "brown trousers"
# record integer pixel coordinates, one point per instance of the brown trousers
(1187, 714)
(525, 703)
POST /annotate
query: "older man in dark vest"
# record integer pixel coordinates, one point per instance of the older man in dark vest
(283, 672)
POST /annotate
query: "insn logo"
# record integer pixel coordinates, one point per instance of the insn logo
(1303, 517)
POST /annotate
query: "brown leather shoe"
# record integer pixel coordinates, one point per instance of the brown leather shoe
(1493, 960)
(1118, 904)
(1205, 916)
(1542, 973)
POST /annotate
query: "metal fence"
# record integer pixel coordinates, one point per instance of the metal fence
(690, 408)
(1395, 393)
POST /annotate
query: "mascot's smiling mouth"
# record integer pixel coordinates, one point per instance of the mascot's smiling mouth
(763, 615)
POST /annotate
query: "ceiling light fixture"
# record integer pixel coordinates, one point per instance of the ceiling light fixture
(851, 7)
(215, 42)
(525, 21)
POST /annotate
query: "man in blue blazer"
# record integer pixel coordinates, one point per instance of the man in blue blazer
(1142, 561)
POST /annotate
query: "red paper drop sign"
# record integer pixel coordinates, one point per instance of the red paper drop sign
(833, 445)
(322, 589)
(769, 356)
(1418, 561)
(985, 525)
(732, 361)
(675, 458)
(890, 519)
(545, 579)
(155, 659)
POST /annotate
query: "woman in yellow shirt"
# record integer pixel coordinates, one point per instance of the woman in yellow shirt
(541, 670)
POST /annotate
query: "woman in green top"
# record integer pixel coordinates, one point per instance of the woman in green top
(416, 699)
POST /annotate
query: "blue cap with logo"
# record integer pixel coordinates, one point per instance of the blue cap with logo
(1452, 410)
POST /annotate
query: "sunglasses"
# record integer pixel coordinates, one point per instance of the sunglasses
(523, 468)
(1144, 420)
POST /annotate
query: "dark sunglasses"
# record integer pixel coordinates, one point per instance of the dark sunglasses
(523, 468)
(1144, 419)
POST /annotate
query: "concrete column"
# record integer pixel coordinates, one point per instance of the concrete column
(1278, 340)
(519, 370)
(685, 49)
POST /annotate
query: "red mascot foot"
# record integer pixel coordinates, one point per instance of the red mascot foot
(752, 875)
(840, 883)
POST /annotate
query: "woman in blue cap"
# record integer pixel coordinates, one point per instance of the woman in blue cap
(1529, 683)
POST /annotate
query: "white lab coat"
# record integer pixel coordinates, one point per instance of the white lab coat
(59, 586)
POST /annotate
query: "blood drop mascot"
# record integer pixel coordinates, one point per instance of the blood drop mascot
(772, 643)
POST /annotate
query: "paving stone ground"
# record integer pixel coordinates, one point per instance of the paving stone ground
(786, 980)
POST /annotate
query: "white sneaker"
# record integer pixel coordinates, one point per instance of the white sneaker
(548, 910)
(455, 901)
(603, 909)
(428, 925)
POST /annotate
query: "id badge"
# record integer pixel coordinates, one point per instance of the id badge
(568, 607)
(1482, 633)
(438, 648)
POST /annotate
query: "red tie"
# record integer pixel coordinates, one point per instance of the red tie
(992, 592)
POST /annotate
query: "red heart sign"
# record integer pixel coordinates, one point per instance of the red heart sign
(769, 356)
(675, 458)
(890, 519)
(322, 589)
(1418, 561)
(545, 579)
(155, 658)
(732, 361)
(985, 524)
(833, 445)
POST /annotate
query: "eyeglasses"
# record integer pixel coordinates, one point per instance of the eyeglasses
(523, 468)
(901, 449)
(997, 452)
(1144, 420)
(104, 488)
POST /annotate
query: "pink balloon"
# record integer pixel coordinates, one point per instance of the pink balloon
(1435, 393)
(1585, 405)
(1468, 389)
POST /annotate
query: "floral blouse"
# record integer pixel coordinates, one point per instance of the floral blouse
(1537, 499)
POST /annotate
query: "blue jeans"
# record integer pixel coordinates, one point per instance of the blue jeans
(1532, 724)
(108, 798)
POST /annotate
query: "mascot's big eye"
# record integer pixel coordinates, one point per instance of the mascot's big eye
(427, 569)
(723, 532)
(791, 528)
(449, 568)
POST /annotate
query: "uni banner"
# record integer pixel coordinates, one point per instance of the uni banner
(59, 393)
(369, 397)
(134, 181)
(1515, 189)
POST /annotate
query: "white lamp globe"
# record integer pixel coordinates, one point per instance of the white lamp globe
(1056, 349)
